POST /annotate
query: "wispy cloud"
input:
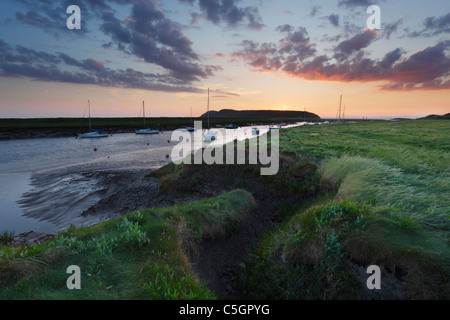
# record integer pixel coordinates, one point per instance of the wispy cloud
(228, 12)
(334, 19)
(357, 3)
(433, 26)
(315, 10)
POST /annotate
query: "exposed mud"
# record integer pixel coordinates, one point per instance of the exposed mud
(217, 262)
(87, 198)
(84, 198)
(30, 238)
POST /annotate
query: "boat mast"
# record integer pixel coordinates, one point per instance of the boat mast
(89, 107)
(143, 110)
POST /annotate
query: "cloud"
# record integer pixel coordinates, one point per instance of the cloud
(145, 33)
(357, 3)
(51, 16)
(293, 47)
(424, 70)
(333, 19)
(35, 19)
(315, 10)
(354, 44)
(296, 44)
(224, 94)
(391, 58)
(433, 26)
(391, 28)
(263, 57)
(60, 67)
(228, 12)
(438, 24)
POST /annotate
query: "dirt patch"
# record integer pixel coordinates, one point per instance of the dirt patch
(218, 261)
(30, 238)
(392, 284)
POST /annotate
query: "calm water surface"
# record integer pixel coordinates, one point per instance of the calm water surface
(21, 161)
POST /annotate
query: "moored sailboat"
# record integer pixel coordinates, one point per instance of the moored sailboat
(146, 130)
(93, 133)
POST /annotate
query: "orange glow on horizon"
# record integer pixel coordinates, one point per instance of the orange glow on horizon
(39, 99)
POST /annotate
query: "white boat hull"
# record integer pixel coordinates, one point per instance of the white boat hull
(92, 135)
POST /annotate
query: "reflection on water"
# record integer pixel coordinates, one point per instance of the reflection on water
(48, 171)
(12, 186)
(39, 174)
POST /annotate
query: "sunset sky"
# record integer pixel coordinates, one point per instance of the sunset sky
(252, 54)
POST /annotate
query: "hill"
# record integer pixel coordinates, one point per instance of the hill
(437, 117)
(261, 114)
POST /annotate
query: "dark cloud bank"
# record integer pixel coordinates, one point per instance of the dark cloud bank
(297, 56)
(148, 34)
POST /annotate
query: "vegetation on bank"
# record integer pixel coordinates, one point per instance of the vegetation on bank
(347, 196)
(139, 256)
(391, 208)
(370, 193)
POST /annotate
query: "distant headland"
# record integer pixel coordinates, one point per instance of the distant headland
(261, 114)
(437, 117)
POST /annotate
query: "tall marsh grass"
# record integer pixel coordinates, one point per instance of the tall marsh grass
(422, 198)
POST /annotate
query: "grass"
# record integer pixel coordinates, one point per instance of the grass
(7, 237)
(347, 196)
(139, 256)
(378, 194)
(391, 208)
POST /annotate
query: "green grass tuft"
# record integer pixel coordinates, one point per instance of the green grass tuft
(138, 256)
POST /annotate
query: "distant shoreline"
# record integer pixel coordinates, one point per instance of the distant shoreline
(11, 129)
(14, 128)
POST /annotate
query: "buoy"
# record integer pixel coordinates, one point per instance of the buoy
(76, 137)
(95, 149)
(168, 141)
(167, 156)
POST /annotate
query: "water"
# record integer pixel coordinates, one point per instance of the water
(39, 177)
(37, 165)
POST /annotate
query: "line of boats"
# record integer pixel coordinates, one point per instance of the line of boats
(209, 135)
(95, 133)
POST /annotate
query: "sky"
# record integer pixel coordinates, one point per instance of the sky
(252, 54)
